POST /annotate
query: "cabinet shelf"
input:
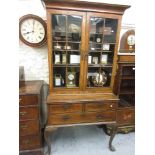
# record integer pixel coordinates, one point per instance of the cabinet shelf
(64, 41)
(62, 50)
(128, 77)
(66, 65)
(99, 65)
(59, 65)
(127, 91)
(93, 51)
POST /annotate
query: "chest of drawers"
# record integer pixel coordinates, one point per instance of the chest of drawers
(61, 113)
(30, 135)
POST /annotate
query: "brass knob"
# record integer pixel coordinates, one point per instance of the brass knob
(23, 113)
(65, 118)
(24, 126)
(20, 100)
(111, 105)
(99, 116)
(66, 106)
(26, 141)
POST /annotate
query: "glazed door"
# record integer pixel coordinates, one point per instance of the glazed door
(101, 45)
(66, 47)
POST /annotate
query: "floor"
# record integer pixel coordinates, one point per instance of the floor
(90, 140)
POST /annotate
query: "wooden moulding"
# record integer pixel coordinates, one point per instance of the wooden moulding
(86, 6)
(126, 59)
(77, 98)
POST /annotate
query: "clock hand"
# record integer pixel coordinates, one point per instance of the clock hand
(33, 26)
(26, 32)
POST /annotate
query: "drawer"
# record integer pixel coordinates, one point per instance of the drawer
(29, 142)
(63, 108)
(126, 116)
(28, 100)
(101, 106)
(82, 118)
(29, 127)
(28, 113)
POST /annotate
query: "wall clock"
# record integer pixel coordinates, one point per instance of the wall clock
(131, 40)
(32, 30)
(127, 43)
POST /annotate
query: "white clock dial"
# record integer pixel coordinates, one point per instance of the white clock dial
(32, 31)
(131, 40)
(70, 76)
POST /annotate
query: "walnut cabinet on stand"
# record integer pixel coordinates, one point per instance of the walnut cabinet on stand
(83, 40)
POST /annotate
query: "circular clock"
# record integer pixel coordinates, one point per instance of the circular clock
(131, 40)
(100, 79)
(32, 30)
(71, 77)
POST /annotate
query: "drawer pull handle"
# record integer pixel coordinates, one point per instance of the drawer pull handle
(65, 118)
(20, 100)
(111, 106)
(66, 106)
(23, 113)
(26, 141)
(24, 126)
(99, 116)
(133, 68)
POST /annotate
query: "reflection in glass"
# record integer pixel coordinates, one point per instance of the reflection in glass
(66, 43)
(110, 30)
(102, 39)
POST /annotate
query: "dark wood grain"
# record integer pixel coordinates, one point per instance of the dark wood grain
(28, 113)
(86, 6)
(64, 108)
(102, 106)
(126, 116)
(28, 100)
(81, 118)
(30, 141)
(29, 127)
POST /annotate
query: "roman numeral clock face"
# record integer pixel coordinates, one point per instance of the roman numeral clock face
(32, 30)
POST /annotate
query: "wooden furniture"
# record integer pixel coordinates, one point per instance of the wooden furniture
(30, 135)
(83, 39)
(125, 89)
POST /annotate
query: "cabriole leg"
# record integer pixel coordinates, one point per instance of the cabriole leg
(47, 132)
(112, 135)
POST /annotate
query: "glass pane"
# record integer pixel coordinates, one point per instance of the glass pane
(101, 51)
(110, 30)
(59, 79)
(66, 34)
(73, 75)
(96, 25)
(98, 77)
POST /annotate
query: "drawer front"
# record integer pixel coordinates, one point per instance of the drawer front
(63, 108)
(82, 118)
(28, 100)
(28, 113)
(29, 142)
(29, 127)
(126, 116)
(101, 106)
